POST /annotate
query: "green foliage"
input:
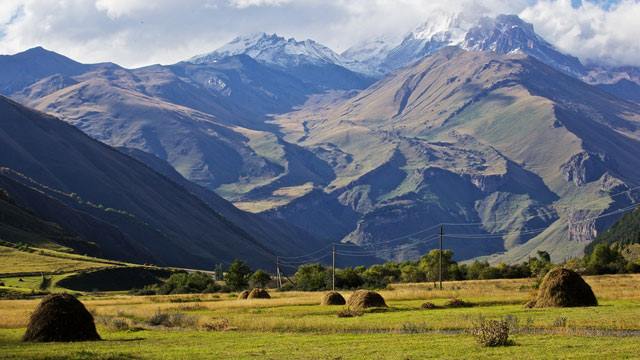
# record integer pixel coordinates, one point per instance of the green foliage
(45, 282)
(188, 283)
(490, 333)
(237, 277)
(430, 264)
(260, 279)
(624, 232)
(348, 278)
(605, 259)
(313, 277)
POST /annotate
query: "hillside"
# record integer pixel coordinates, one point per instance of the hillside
(506, 142)
(625, 231)
(159, 220)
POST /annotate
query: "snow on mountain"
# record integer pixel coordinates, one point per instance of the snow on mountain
(371, 53)
(275, 50)
(442, 29)
(508, 33)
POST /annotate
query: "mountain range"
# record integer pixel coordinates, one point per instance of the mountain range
(484, 126)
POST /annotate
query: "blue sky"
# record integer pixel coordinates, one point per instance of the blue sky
(140, 32)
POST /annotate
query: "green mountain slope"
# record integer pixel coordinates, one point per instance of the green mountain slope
(530, 155)
(61, 162)
(625, 231)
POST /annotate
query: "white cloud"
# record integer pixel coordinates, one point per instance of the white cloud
(141, 32)
(247, 3)
(590, 32)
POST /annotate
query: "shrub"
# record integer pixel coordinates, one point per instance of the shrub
(114, 323)
(428, 306)
(159, 318)
(414, 328)
(347, 313)
(216, 325)
(457, 303)
(492, 333)
(172, 320)
(184, 283)
(560, 322)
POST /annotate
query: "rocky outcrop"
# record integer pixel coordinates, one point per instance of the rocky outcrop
(584, 167)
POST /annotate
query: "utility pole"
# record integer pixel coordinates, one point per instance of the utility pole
(333, 256)
(440, 272)
(278, 280)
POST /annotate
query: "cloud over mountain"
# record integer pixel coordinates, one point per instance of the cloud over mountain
(136, 32)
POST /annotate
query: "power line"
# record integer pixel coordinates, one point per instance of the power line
(311, 257)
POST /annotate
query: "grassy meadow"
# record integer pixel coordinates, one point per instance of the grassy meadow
(292, 325)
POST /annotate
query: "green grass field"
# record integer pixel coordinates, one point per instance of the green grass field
(14, 261)
(292, 325)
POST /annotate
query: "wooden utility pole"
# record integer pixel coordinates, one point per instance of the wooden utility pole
(440, 272)
(278, 280)
(333, 256)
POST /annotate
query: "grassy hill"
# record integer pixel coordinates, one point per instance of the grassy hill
(503, 141)
(625, 231)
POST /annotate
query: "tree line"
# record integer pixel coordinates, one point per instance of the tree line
(604, 259)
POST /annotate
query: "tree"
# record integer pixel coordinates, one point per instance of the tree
(430, 264)
(348, 278)
(605, 260)
(312, 277)
(410, 272)
(260, 279)
(237, 277)
(188, 283)
(541, 265)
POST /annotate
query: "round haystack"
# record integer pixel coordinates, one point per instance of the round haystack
(564, 288)
(332, 298)
(258, 293)
(363, 299)
(243, 295)
(61, 317)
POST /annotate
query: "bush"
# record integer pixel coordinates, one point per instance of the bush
(188, 283)
(216, 325)
(347, 313)
(172, 320)
(428, 306)
(114, 323)
(492, 333)
(457, 303)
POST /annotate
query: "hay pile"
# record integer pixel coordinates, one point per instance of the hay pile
(363, 299)
(61, 317)
(332, 298)
(243, 295)
(563, 288)
(258, 293)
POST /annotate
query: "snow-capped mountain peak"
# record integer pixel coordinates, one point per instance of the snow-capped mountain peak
(506, 34)
(273, 49)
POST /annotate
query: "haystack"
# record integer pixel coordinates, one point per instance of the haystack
(61, 317)
(258, 293)
(363, 299)
(243, 295)
(564, 288)
(332, 298)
